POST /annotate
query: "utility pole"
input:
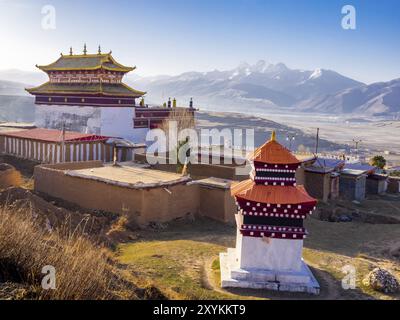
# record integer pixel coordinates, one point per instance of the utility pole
(357, 142)
(290, 138)
(317, 142)
(63, 143)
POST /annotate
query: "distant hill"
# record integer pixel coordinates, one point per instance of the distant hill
(381, 98)
(15, 103)
(13, 88)
(29, 78)
(17, 108)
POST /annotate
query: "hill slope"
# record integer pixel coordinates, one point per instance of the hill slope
(381, 98)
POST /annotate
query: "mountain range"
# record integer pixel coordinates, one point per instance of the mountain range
(268, 87)
(261, 87)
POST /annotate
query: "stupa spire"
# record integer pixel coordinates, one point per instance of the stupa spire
(273, 136)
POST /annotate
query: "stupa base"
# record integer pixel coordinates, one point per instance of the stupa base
(234, 277)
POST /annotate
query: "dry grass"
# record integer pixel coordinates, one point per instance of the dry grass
(83, 271)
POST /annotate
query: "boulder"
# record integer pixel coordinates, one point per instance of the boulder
(382, 280)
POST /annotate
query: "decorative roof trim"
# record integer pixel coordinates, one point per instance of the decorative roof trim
(105, 58)
(101, 92)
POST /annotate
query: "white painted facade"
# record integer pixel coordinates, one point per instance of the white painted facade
(268, 253)
(266, 263)
(107, 121)
(52, 152)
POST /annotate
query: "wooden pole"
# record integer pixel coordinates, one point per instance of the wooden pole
(63, 143)
(317, 142)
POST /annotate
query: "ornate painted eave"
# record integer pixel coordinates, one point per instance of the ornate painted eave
(100, 89)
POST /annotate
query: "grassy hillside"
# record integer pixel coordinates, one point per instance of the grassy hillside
(182, 259)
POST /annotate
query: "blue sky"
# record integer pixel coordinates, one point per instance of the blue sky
(174, 36)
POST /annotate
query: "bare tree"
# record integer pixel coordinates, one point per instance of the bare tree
(179, 118)
(183, 117)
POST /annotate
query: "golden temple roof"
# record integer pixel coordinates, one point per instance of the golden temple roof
(86, 62)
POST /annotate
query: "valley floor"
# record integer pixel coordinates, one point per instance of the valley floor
(336, 132)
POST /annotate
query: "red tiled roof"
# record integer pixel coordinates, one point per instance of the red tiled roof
(251, 191)
(52, 135)
(274, 153)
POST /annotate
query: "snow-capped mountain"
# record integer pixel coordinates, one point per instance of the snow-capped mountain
(261, 84)
(247, 88)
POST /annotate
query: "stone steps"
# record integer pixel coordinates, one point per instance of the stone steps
(234, 277)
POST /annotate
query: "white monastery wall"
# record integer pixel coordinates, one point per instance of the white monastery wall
(117, 122)
(108, 121)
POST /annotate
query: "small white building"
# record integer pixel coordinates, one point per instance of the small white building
(270, 231)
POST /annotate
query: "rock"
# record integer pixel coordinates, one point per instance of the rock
(382, 280)
(345, 218)
(157, 225)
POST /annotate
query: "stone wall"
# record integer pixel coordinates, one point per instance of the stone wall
(141, 206)
(393, 185)
(317, 184)
(352, 187)
(216, 202)
(376, 184)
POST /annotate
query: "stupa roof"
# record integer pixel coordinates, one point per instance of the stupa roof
(251, 191)
(273, 152)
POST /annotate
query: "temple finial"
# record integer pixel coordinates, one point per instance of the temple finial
(70, 51)
(84, 49)
(273, 136)
(99, 51)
